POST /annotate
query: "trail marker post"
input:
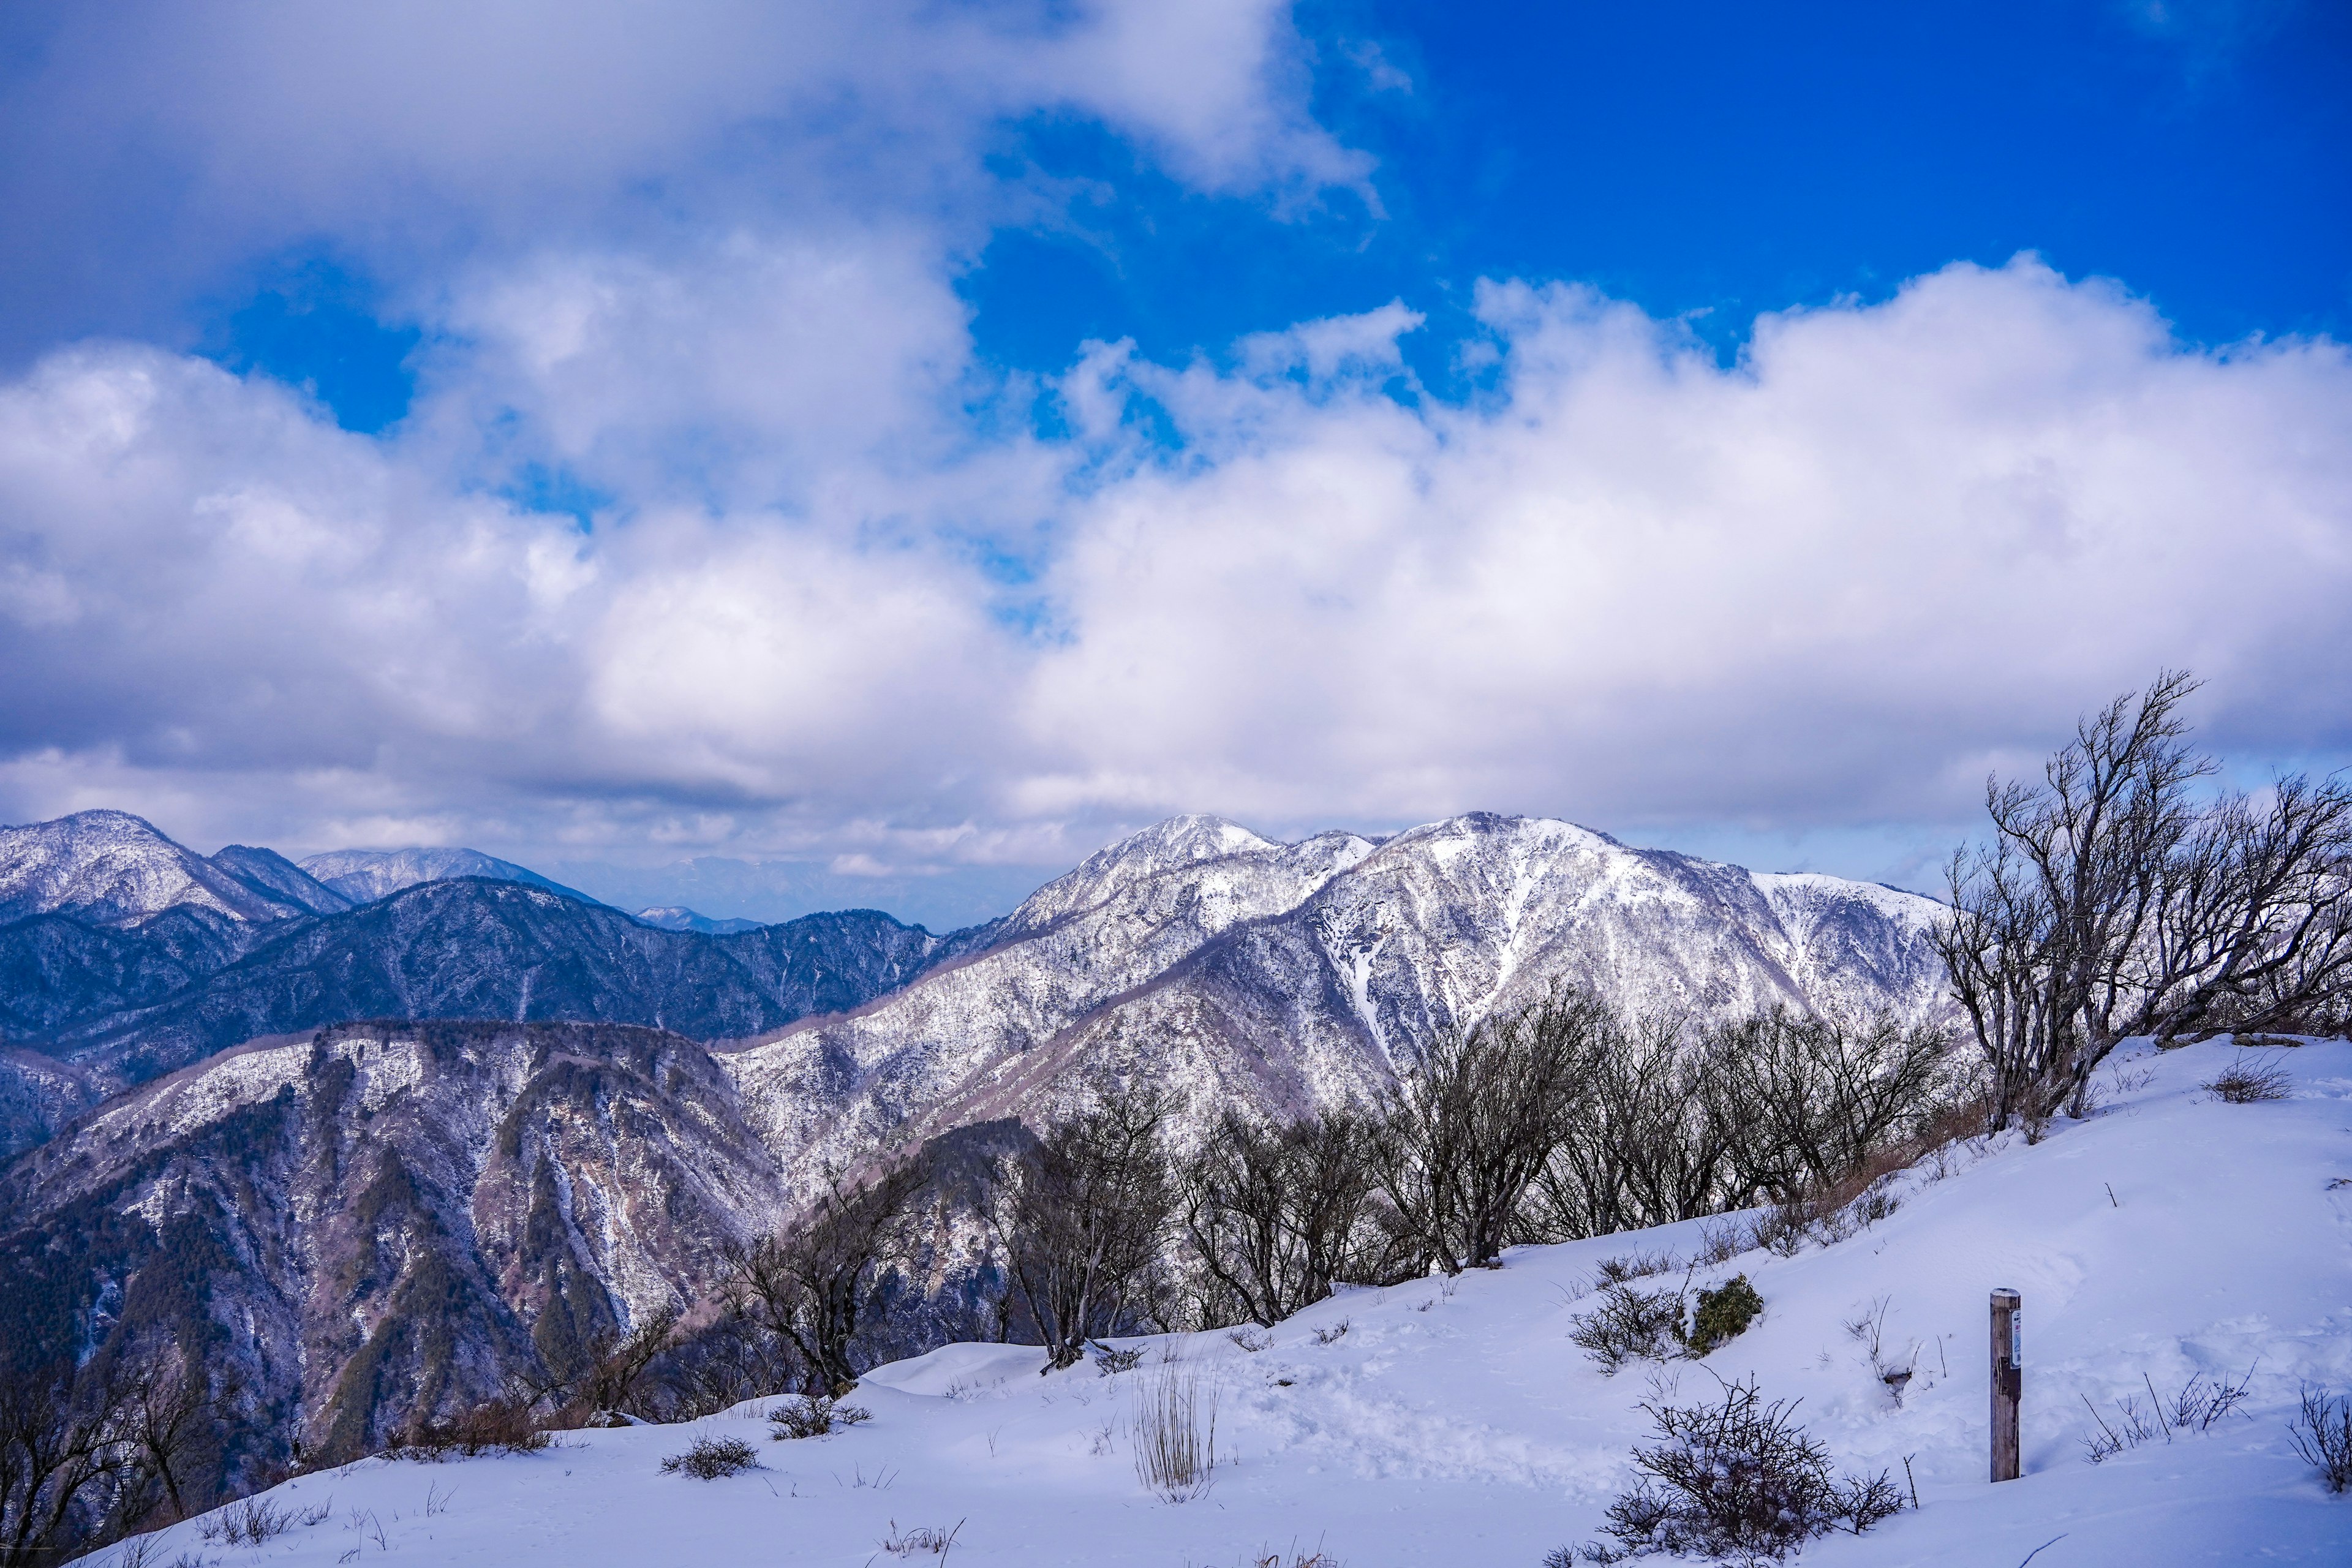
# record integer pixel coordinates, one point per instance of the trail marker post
(2008, 1380)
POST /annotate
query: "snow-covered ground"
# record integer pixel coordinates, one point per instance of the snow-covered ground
(2171, 1234)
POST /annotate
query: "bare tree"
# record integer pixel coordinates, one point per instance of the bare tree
(1806, 1101)
(1467, 1131)
(1277, 1215)
(85, 1458)
(1083, 1218)
(1649, 1143)
(813, 1282)
(2115, 899)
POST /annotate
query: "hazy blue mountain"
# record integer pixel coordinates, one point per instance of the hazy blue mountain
(677, 918)
(363, 875)
(480, 947)
(770, 890)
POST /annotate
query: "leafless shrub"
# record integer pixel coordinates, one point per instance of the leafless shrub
(2202, 1401)
(1723, 1240)
(1331, 1334)
(1110, 1363)
(1736, 1480)
(1627, 1325)
(2322, 1431)
(922, 1539)
(248, 1523)
(496, 1426)
(2128, 1430)
(1174, 1422)
(1635, 1266)
(1318, 1558)
(711, 1458)
(1251, 1340)
(813, 1415)
(2247, 1082)
(1784, 1228)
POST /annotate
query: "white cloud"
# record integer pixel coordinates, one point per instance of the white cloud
(1826, 585)
(1830, 584)
(155, 147)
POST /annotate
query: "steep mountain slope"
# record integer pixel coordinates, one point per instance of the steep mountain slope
(363, 875)
(1457, 1423)
(110, 866)
(1201, 956)
(384, 1213)
(55, 970)
(477, 948)
(1124, 916)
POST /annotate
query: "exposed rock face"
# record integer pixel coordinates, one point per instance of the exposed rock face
(362, 876)
(1203, 957)
(110, 866)
(386, 1214)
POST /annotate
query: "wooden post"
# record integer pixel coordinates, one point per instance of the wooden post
(2008, 1380)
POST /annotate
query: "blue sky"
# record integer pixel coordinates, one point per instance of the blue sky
(927, 440)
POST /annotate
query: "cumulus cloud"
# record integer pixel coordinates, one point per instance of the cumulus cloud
(159, 144)
(834, 592)
(1892, 544)
(1830, 583)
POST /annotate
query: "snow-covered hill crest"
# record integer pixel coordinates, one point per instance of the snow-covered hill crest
(1230, 967)
(110, 867)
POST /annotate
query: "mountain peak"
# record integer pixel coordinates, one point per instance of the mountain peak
(112, 866)
(364, 876)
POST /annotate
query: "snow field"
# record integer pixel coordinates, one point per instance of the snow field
(2167, 1234)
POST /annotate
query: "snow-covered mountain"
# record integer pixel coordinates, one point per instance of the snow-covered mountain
(1201, 956)
(1456, 1423)
(484, 948)
(677, 917)
(363, 875)
(110, 867)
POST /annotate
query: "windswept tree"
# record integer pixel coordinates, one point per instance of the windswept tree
(2119, 895)
(1084, 1216)
(1465, 1132)
(1277, 1215)
(812, 1283)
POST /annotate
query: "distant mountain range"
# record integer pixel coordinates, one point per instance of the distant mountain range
(365, 1157)
(363, 875)
(130, 956)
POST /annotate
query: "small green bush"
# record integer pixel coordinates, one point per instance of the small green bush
(1724, 1313)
